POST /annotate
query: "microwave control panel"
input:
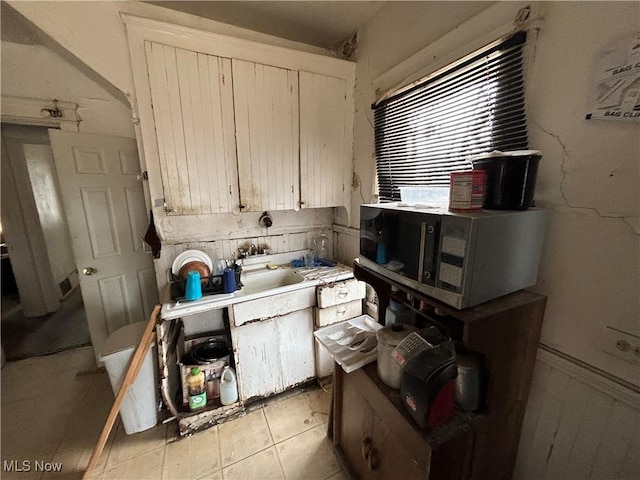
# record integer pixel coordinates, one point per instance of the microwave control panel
(454, 248)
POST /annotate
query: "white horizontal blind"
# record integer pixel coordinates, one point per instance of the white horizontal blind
(430, 130)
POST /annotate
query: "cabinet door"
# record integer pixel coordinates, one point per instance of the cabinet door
(325, 141)
(192, 101)
(266, 114)
(257, 359)
(275, 354)
(356, 427)
(295, 339)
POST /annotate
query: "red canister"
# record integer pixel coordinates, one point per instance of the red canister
(467, 190)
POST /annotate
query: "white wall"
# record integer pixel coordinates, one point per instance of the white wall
(35, 71)
(589, 174)
(94, 33)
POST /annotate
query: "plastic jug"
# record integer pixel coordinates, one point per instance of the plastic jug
(193, 288)
(228, 386)
(229, 280)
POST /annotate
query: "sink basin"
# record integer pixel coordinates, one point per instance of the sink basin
(262, 280)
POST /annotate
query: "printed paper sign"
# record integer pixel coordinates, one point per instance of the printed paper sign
(617, 90)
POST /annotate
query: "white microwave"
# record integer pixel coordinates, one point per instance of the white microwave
(461, 259)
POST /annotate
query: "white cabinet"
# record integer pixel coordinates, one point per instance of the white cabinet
(266, 119)
(275, 354)
(326, 134)
(226, 122)
(192, 101)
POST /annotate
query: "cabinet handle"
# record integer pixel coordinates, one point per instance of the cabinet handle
(343, 293)
(341, 311)
(365, 449)
(373, 461)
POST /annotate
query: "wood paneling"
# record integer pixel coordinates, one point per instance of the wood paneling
(578, 425)
(266, 113)
(325, 162)
(192, 102)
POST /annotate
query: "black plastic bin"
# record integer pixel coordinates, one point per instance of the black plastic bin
(510, 178)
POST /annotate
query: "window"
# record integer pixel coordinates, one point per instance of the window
(429, 129)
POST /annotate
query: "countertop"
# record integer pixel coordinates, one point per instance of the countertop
(313, 277)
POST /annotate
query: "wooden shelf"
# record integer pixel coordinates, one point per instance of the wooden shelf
(505, 331)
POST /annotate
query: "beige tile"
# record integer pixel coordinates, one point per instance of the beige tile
(308, 455)
(320, 403)
(289, 417)
(243, 437)
(145, 466)
(193, 457)
(212, 476)
(126, 447)
(262, 465)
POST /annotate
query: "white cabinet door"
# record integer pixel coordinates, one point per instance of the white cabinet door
(295, 338)
(192, 99)
(273, 355)
(325, 141)
(267, 135)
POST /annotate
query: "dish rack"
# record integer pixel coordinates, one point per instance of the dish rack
(213, 285)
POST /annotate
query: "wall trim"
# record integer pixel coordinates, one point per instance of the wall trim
(28, 111)
(602, 381)
(238, 48)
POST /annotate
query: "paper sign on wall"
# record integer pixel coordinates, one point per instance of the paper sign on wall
(617, 90)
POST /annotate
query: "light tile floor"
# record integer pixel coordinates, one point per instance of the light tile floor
(54, 407)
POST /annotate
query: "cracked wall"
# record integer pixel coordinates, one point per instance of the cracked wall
(589, 179)
(588, 176)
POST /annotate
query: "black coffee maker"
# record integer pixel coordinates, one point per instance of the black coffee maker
(428, 376)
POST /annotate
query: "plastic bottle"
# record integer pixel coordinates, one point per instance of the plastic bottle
(228, 386)
(196, 387)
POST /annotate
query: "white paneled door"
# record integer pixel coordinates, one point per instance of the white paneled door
(104, 203)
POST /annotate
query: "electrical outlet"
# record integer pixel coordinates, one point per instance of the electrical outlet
(622, 344)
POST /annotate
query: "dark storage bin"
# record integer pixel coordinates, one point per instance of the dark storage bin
(511, 178)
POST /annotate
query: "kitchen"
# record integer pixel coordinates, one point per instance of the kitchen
(587, 291)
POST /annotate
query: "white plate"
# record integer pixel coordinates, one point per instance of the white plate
(191, 256)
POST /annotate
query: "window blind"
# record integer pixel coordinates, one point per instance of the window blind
(432, 128)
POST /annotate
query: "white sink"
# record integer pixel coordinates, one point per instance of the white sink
(262, 280)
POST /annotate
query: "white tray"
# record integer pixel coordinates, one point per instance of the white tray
(353, 343)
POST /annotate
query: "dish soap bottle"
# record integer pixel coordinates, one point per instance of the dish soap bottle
(228, 386)
(196, 387)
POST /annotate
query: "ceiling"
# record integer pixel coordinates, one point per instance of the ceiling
(323, 24)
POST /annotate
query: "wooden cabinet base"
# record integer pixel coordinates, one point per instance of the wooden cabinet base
(378, 439)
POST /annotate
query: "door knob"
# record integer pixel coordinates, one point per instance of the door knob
(89, 270)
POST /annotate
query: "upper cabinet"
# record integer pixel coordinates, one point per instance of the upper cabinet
(266, 111)
(192, 101)
(231, 125)
(326, 126)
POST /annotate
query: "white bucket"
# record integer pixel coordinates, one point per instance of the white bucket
(139, 406)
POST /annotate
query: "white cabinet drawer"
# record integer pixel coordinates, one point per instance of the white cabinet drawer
(338, 313)
(341, 292)
(272, 306)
